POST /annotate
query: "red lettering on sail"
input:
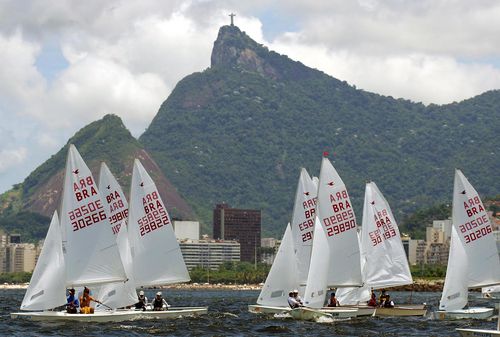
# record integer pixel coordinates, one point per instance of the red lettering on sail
(155, 214)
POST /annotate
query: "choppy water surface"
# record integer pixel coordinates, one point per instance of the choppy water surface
(228, 316)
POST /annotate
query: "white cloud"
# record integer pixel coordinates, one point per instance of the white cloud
(11, 158)
(125, 57)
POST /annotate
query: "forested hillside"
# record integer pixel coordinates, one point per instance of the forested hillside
(239, 132)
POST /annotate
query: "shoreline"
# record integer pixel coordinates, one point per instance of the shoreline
(419, 285)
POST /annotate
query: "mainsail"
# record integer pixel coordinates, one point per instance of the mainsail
(473, 259)
(89, 247)
(336, 214)
(385, 264)
(282, 277)
(303, 223)
(156, 255)
(47, 285)
(383, 259)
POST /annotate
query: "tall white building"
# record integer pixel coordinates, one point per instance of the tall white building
(209, 253)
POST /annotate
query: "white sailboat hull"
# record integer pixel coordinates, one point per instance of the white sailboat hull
(111, 316)
(308, 314)
(334, 312)
(478, 333)
(470, 313)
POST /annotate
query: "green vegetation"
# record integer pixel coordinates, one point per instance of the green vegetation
(428, 271)
(414, 224)
(15, 278)
(31, 226)
(240, 131)
(232, 273)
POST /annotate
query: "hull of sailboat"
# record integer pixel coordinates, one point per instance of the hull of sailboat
(402, 310)
(266, 309)
(478, 333)
(111, 316)
(362, 310)
(340, 312)
(470, 313)
(308, 314)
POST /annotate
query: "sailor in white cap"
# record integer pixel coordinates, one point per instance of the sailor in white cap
(297, 297)
(159, 303)
(142, 301)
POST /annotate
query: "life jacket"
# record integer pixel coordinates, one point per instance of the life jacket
(158, 303)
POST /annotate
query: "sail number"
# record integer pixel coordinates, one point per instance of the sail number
(468, 226)
(118, 216)
(87, 215)
(477, 234)
(339, 222)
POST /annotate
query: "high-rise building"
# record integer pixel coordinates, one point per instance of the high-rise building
(242, 225)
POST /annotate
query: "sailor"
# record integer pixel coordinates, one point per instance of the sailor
(159, 303)
(72, 302)
(388, 303)
(85, 300)
(292, 301)
(142, 301)
(373, 300)
(382, 298)
(297, 297)
(332, 301)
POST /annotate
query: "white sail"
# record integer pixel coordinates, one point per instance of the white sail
(156, 255)
(473, 259)
(317, 279)
(337, 216)
(303, 223)
(89, 247)
(122, 294)
(476, 234)
(282, 277)
(454, 296)
(113, 198)
(354, 295)
(47, 286)
(382, 250)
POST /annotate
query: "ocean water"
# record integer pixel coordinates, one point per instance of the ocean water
(228, 316)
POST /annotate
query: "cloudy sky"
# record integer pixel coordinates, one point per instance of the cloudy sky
(64, 64)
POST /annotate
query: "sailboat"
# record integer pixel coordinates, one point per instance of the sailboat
(335, 257)
(81, 250)
(290, 269)
(384, 262)
(291, 264)
(281, 279)
(473, 261)
(317, 279)
(90, 255)
(156, 257)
